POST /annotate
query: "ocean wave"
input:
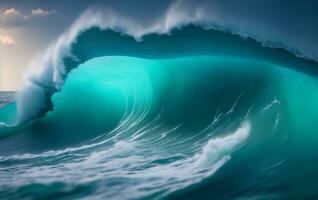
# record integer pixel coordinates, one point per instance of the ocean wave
(48, 72)
(181, 108)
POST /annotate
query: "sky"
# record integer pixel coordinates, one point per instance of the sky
(28, 27)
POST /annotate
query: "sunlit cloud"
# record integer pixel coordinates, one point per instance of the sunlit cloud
(6, 39)
(12, 17)
(11, 12)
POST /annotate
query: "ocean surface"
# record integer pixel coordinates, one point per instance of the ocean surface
(193, 114)
(6, 98)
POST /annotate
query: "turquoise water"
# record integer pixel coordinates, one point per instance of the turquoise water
(204, 123)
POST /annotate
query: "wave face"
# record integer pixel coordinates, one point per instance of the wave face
(194, 114)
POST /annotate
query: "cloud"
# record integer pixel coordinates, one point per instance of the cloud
(11, 12)
(42, 12)
(12, 17)
(6, 39)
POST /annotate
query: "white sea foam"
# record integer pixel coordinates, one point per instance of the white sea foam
(127, 160)
(221, 148)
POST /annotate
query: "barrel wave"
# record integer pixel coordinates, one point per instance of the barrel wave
(188, 113)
